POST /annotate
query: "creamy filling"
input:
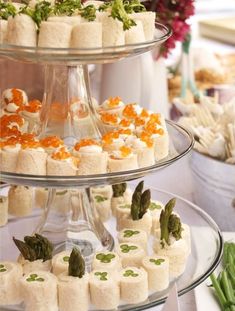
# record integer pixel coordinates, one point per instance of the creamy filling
(11, 107)
(91, 149)
(12, 148)
(118, 154)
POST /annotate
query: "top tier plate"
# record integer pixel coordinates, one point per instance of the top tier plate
(84, 56)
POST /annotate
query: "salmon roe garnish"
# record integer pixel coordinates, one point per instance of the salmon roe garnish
(139, 121)
(109, 118)
(26, 137)
(61, 154)
(51, 141)
(125, 151)
(30, 144)
(33, 106)
(109, 137)
(147, 139)
(86, 142)
(125, 131)
(9, 132)
(125, 123)
(12, 141)
(155, 118)
(17, 97)
(152, 129)
(144, 114)
(129, 111)
(114, 101)
(6, 120)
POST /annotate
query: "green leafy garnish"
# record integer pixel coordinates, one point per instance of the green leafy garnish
(170, 223)
(140, 202)
(67, 7)
(130, 233)
(89, 12)
(154, 206)
(118, 12)
(76, 264)
(39, 13)
(66, 258)
(125, 248)
(157, 262)
(119, 190)
(105, 6)
(35, 247)
(130, 273)
(7, 9)
(105, 258)
(100, 198)
(133, 6)
(102, 275)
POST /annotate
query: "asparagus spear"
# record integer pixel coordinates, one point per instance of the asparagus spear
(76, 264)
(140, 202)
(119, 189)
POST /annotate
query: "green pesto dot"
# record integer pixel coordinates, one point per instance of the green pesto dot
(66, 258)
(1, 266)
(3, 270)
(40, 280)
(33, 276)
(30, 280)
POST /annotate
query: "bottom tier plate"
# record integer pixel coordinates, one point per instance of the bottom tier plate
(206, 243)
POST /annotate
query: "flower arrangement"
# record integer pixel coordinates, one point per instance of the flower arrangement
(174, 13)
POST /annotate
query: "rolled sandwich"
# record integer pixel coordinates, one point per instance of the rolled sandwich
(31, 113)
(70, 20)
(155, 209)
(51, 144)
(104, 290)
(3, 31)
(9, 154)
(103, 207)
(113, 105)
(157, 268)
(54, 35)
(135, 34)
(21, 30)
(39, 291)
(61, 162)
(62, 201)
(122, 160)
(144, 223)
(20, 201)
(86, 35)
(133, 285)
(108, 121)
(121, 195)
(133, 236)
(32, 159)
(73, 285)
(148, 22)
(14, 121)
(105, 191)
(92, 159)
(112, 141)
(112, 30)
(10, 274)
(60, 262)
(108, 261)
(130, 254)
(3, 210)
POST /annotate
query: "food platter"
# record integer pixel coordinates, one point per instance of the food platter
(206, 243)
(72, 56)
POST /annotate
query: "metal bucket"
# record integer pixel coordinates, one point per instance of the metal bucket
(214, 189)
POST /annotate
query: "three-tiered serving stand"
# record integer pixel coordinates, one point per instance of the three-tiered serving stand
(66, 83)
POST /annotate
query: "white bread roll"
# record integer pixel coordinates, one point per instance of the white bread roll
(139, 237)
(92, 163)
(103, 207)
(124, 164)
(157, 268)
(145, 223)
(70, 20)
(104, 290)
(9, 158)
(112, 30)
(177, 253)
(86, 35)
(130, 254)
(60, 167)
(107, 261)
(73, 292)
(125, 199)
(54, 35)
(39, 291)
(145, 156)
(155, 209)
(60, 262)
(20, 201)
(36, 265)
(31, 161)
(133, 285)
(10, 274)
(148, 21)
(105, 191)
(3, 31)
(21, 30)
(3, 210)
(135, 34)
(161, 145)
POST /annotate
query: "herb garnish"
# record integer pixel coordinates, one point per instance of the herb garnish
(133, 6)
(102, 275)
(7, 9)
(130, 273)
(130, 233)
(125, 248)
(89, 12)
(66, 7)
(157, 262)
(34, 277)
(39, 13)
(105, 258)
(118, 12)
(100, 198)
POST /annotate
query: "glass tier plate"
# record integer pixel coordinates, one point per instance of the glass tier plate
(84, 56)
(181, 142)
(206, 246)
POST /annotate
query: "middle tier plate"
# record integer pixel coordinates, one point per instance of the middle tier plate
(181, 142)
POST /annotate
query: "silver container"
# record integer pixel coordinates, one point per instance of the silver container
(214, 189)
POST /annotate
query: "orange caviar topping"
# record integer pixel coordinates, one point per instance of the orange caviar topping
(30, 144)
(8, 132)
(147, 139)
(114, 101)
(152, 129)
(139, 121)
(61, 154)
(6, 120)
(108, 137)
(24, 138)
(17, 98)
(110, 118)
(51, 141)
(86, 142)
(125, 123)
(125, 151)
(33, 106)
(155, 118)
(129, 111)
(144, 114)
(125, 131)
(12, 141)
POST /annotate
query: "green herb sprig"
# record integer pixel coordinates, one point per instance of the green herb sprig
(76, 264)
(88, 12)
(170, 223)
(140, 201)
(34, 278)
(66, 7)
(157, 262)
(118, 12)
(130, 233)
(119, 190)
(34, 247)
(7, 9)
(134, 6)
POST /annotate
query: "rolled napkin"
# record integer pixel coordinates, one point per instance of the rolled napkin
(21, 30)
(10, 274)
(54, 35)
(86, 35)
